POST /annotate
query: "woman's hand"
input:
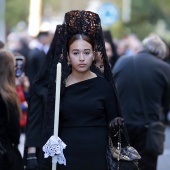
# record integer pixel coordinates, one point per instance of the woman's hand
(118, 121)
(32, 163)
(24, 81)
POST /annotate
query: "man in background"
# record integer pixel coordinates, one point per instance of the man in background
(143, 74)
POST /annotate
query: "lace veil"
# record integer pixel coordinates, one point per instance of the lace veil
(75, 22)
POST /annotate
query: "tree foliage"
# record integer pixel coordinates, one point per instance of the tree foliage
(145, 14)
(16, 11)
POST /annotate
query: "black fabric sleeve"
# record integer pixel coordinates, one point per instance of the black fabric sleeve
(36, 60)
(110, 104)
(34, 120)
(166, 95)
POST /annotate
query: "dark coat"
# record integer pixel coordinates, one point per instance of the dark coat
(34, 61)
(9, 137)
(36, 123)
(10, 128)
(154, 77)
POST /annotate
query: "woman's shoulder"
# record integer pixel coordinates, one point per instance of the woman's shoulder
(104, 88)
(103, 83)
(102, 80)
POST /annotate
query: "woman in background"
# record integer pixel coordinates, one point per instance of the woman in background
(111, 52)
(111, 49)
(10, 113)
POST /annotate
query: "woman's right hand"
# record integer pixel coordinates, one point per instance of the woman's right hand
(32, 163)
(24, 81)
(116, 122)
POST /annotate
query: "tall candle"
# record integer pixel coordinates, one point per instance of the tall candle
(57, 105)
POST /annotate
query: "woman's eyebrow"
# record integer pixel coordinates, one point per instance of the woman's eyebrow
(79, 49)
(75, 50)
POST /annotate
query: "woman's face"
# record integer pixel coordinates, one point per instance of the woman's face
(108, 50)
(80, 55)
(98, 58)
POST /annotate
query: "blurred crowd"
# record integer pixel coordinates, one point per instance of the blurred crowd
(29, 54)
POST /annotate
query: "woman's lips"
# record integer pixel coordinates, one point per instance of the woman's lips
(82, 65)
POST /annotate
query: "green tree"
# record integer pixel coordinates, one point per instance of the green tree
(16, 11)
(145, 15)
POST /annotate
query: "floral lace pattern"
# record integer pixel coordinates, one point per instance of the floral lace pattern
(82, 22)
(54, 148)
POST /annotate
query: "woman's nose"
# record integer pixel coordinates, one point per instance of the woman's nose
(81, 57)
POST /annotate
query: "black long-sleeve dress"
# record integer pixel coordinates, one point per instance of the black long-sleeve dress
(86, 109)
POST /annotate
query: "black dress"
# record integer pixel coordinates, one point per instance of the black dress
(86, 109)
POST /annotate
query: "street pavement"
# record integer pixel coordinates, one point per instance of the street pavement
(164, 160)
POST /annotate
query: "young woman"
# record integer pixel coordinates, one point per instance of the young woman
(10, 113)
(88, 101)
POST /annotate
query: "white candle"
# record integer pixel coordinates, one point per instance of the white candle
(57, 105)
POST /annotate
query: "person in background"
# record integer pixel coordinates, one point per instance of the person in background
(10, 113)
(44, 39)
(38, 49)
(129, 45)
(22, 86)
(122, 46)
(144, 73)
(2, 45)
(18, 43)
(134, 44)
(111, 49)
(167, 60)
(88, 104)
(99, 63)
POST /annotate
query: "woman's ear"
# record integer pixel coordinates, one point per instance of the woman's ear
(94, 55)
(68, 60)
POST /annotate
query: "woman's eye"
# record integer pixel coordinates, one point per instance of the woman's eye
(87, 53)
(75, 53)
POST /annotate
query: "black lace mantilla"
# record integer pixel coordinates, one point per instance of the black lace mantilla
(82, 22)
(75, 22)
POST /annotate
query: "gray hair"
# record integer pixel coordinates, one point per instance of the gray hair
(155, 45)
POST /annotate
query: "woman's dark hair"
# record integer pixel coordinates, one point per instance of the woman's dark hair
(7, 81)
(79, 37)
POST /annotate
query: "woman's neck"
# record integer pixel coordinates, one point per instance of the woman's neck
(75, 77)
(81, 76)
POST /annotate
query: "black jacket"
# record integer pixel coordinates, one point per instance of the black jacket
(154, 77)
(9, 124)
(9, 137)
(34, 61)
